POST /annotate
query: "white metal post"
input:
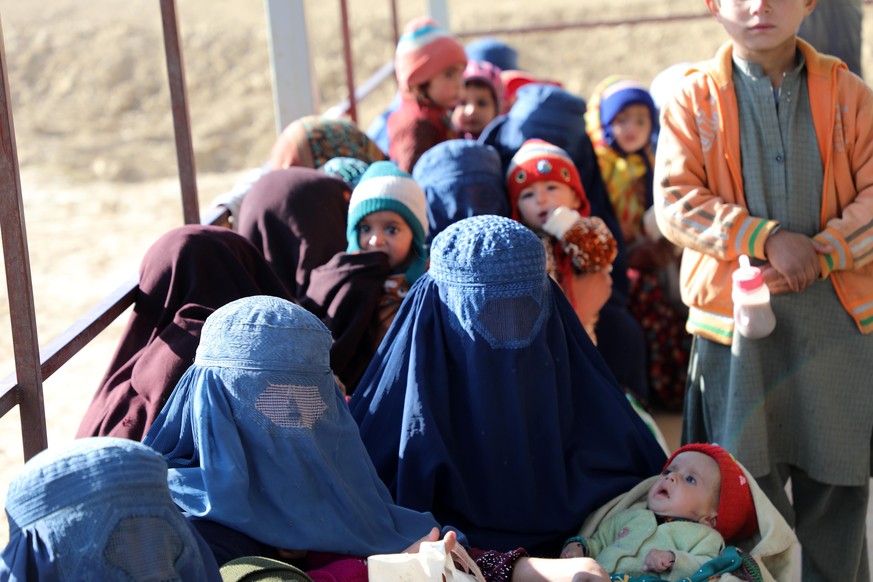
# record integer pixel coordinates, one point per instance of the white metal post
(295, 91)
(439, 11)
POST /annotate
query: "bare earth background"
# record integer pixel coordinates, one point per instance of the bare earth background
(94, 130)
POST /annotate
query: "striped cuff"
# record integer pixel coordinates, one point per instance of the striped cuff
(752, 235)
(840, 258)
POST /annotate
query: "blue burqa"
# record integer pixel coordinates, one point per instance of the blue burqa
(98, 509)
(461, 178)
(258, 438)
(488, 405)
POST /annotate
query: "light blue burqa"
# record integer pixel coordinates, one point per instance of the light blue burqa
(98, 509)
(259, 438)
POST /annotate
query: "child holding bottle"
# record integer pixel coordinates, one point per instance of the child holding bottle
(766, 150)
(546, 195)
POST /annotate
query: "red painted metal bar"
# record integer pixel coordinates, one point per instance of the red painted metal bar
(181, 120)
(64, 346)
(69, 342)
(586, 24)
(24, 387)
(19, 283)
(394, 26)
(350, 65)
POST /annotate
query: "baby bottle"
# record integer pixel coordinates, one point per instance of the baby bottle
(753, 316)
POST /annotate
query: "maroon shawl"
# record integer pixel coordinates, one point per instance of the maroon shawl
(297, 218)
(188, 273)
(345, 293)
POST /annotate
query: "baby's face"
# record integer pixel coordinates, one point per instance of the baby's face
(687, 488)
(537, 202)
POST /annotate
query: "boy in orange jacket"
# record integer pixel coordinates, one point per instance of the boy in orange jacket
(767, 151)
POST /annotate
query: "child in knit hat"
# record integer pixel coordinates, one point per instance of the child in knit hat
(622, 122)
(357, 293)
(481, 100)
(546, 194)
(429, 65)
(701, 500)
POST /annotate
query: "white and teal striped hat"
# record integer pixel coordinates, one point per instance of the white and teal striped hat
(384, 186)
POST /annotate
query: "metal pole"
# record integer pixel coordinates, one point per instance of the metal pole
(295, 93)
(181, 120)
(394, 26)
(350, 65)
(439, 11)
(19, 281)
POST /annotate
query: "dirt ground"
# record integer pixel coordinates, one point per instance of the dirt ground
(94, 130)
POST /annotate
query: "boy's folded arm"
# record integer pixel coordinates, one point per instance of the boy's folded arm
(689, 213)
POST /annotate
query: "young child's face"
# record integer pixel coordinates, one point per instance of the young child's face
(537, 201)
(475, 110)
(760, 27)
(386, 231)
(632, 127)
(445, 89)
(688, 488)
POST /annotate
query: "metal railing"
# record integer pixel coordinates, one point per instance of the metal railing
(24, 387)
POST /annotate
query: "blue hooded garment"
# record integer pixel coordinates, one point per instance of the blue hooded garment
(493, 50)
(259, 439)
(488, 405)
(98, 509)
(461, 178)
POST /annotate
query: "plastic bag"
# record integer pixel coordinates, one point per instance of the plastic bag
(432, 563)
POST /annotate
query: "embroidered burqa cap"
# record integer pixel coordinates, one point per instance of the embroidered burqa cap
(487, 376)
(261, 398)
(99, 508)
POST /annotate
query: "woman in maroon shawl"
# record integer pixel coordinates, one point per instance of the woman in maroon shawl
(296, 217)
(188, 273)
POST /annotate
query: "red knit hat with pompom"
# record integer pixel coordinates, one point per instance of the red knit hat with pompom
(539, 161)
(737, 518)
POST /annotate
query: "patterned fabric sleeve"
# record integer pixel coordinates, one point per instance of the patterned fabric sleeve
(496, 566)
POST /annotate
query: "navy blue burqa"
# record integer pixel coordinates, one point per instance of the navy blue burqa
(488, 405)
